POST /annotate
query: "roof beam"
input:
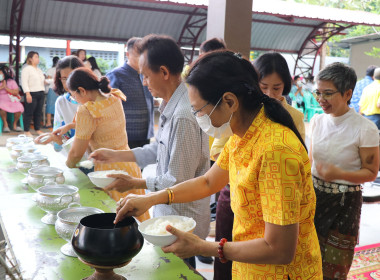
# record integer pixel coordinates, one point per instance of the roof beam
(274, 50)
(128, 6)
(76, 37)
(172, 3)
(283, 23)
(287, 18)
(193, 27)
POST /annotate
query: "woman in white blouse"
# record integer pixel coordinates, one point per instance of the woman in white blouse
(345, 153)
(33, 85)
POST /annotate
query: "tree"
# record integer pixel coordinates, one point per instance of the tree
(106, 65)
(374, 53)
(42, 64)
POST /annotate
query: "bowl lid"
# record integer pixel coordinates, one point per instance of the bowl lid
(25, 146)
(31, 157)
(19, 139)
(57, 190)
(45, 171)
(75, 214)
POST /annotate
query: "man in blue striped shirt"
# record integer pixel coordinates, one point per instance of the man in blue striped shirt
(138, 108)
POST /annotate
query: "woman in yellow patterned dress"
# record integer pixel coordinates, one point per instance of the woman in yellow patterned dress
(267, 165)
(100, 123)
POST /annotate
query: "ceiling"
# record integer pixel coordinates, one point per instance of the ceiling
(276, 25)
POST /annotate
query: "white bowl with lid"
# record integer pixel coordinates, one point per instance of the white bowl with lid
(21, 139)
(28, 161)
(22, 149)
(39, 176)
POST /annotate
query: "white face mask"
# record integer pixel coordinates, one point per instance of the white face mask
(1, 77)
(217, 132)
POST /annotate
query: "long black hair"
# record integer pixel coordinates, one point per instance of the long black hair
(273, 62)
(218, 72)
(94, 64)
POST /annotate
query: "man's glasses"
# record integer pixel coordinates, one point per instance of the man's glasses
(197, 111)
(325, 95)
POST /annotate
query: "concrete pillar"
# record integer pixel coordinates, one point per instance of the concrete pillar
(231, 20)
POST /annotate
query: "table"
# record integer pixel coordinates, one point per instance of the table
(37, 245)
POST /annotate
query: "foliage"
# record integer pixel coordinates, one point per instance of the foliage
(42, 64)
(105, 65)
(254, 54)
(374, 53)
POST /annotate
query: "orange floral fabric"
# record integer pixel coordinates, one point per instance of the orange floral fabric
(270, 181)
(103, 123)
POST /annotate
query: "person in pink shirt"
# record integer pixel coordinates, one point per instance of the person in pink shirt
(9, 100)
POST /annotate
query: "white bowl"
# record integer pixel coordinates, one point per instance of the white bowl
(100, 182)
(100, 179)
(163, 240)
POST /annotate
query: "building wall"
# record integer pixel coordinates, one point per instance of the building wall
(48, 53)
(359, 60)
(4, 54)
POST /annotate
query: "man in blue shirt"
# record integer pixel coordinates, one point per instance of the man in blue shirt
(181, 150)
(138, 108)
(368, 79)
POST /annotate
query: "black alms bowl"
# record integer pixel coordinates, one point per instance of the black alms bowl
(98, 242)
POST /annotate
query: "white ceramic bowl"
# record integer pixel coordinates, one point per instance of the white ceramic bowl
(99, 182)
(167, 239)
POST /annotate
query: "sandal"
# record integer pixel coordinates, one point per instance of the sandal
(6, 129)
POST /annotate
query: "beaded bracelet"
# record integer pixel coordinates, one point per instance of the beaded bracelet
(222, 259)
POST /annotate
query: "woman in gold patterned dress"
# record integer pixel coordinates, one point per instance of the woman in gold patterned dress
(100, 123)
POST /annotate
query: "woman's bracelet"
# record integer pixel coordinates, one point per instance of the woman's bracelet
(222, 259)
(170, 196)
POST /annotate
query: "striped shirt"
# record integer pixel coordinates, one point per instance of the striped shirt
(138, 108)
(181, 152)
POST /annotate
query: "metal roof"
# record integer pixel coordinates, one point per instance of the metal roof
(118, 20)
(276, 25)
(360, 39)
